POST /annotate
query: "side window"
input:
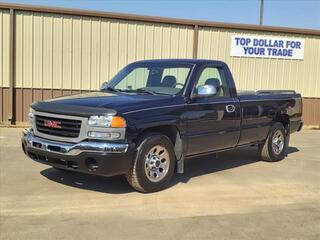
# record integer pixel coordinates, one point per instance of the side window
(214, 76)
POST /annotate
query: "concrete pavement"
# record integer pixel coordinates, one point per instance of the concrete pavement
(232, 197)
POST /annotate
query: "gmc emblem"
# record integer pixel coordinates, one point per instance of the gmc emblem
(52, 124)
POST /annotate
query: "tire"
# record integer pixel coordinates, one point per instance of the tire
(154, 152)
(276, 145)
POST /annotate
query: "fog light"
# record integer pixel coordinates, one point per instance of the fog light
(104, 135)
(99, 135)
(92, 164)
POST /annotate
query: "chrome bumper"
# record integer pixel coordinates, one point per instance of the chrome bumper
(71, 149)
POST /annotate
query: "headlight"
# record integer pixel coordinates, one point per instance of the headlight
(107, 121)
(31, 117)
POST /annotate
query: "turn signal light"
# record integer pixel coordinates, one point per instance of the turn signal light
(118, 122)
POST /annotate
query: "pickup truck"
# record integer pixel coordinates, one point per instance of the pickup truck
(155, 114)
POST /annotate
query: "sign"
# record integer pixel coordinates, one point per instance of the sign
(267, 47)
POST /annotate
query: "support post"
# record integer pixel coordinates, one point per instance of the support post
(12, 117)
(195, 41)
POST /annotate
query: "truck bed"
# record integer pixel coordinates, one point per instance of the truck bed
(265, 92)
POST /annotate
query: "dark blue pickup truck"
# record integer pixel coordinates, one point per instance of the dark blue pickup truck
(153, 115)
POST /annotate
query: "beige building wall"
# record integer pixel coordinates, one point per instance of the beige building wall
(61, 52)
(4, 47)
(265, 73)
(55, 51)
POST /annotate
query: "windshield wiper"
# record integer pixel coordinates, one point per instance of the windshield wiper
(152, 92)
(140, 90)
(143, 90)
(111, 89)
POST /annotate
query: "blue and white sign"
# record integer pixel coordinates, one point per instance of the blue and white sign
(267, 47)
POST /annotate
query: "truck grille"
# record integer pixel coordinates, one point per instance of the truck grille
(58, 126)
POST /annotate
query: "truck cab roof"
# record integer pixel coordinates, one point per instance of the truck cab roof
(182, 60)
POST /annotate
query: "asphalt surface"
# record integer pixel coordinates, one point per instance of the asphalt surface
(235, 196)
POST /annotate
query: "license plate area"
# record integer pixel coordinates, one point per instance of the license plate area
(54, 148)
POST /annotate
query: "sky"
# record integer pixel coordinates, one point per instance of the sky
(287, 13)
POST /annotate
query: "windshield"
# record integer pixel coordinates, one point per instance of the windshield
(151, 78)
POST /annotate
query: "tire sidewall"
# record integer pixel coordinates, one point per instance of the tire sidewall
(280, 156)
(143, 150)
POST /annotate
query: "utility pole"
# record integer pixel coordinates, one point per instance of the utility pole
(261, 12)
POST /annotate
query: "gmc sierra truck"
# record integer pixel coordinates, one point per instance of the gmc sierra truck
(155, 114)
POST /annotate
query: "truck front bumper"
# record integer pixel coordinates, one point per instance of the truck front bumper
(94, 157)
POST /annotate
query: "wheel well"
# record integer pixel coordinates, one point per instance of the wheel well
(169, 131)
(172, 132)
(284, 119)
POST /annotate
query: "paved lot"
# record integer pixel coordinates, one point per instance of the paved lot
(232, 197)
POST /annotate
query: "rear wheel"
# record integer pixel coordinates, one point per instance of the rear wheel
(276, 145)
(153, 165)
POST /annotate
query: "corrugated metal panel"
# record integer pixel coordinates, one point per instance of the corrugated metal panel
(71, 52)
(23, 98)
(4, 47)
(259, 73)
(311, 113)
(5, 111)
(61, 54)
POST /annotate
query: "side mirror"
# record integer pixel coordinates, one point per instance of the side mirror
(206, 91)
(104, 85)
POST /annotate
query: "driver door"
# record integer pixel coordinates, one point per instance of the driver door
(213, 121)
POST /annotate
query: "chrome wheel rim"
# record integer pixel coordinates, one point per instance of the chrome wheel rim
(277, 142)
(157, 163)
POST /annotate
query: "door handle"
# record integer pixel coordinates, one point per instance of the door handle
(230, 108)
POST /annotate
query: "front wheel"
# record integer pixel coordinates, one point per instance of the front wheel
(276, 145)
(153, 165)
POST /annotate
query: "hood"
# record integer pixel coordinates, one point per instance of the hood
(105, 101)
